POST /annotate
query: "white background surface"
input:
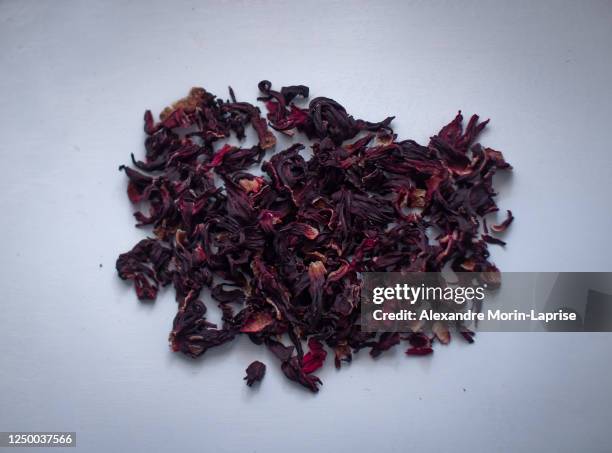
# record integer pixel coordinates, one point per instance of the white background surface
(79, 353)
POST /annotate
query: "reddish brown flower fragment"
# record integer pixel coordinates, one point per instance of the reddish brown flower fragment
(255, 372)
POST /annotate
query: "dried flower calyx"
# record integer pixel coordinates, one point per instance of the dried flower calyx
(289, 244)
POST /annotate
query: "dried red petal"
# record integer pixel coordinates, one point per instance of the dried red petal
(314, 358)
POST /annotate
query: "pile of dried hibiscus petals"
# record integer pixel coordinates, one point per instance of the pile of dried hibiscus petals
(282, 252)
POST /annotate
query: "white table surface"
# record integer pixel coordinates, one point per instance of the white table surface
(79, 353)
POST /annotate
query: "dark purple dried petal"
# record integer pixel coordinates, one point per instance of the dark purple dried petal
(147, 266)
(255, 372)
(492, 240)
(295, 373)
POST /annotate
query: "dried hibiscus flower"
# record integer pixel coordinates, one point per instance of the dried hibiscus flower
(290, 244)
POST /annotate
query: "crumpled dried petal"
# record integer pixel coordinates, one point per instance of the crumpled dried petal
(255, 372)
